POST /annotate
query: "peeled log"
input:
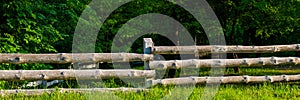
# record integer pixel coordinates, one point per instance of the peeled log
(224, 80)
(224, 49)
(62, 58)
(31, 75)
(30, 92)
(244, 62)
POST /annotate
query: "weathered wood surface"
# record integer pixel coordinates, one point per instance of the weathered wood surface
(148, 46)
(20, 75)
(224, 49)
(62, 58)
(29, 92)
(245, 62)
(224, 80)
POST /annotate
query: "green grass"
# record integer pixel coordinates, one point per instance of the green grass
(264, 91)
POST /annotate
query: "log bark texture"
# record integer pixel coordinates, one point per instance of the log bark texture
(224, 49)
(30, 92)
(62, 58)
(244, 62)
(31, 75)
(224, 80)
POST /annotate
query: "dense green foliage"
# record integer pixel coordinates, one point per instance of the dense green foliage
(48, 26)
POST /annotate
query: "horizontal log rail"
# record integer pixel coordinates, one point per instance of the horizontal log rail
(224, 80)
(95, 74)
(206, 63)
(62, 58)
(30, 92)
(223, 49)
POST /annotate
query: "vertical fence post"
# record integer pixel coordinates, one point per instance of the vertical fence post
(148, 46)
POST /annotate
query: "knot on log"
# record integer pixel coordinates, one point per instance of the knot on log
(261, 62)
(17, 59)
(275, 49)
(217, 63)
(193, 78)
(17, 91)
(206, 80)
(245, 62)
(269, 79)
(42, 76)
(297, 47)
(246, 79)
(273, 60)
(291, 60)
(221, 80)
(174, 64)
(62, 73)
(285, 78)
(219, 49)
(63, 58)
(17, 76)
(154, 49)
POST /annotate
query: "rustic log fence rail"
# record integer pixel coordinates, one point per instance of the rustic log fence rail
(151, 65)
(225, 80)
(210, 63)
(96, 74)
(63, 58)
(223, 49)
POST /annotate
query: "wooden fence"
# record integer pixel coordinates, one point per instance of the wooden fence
(150, 66)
